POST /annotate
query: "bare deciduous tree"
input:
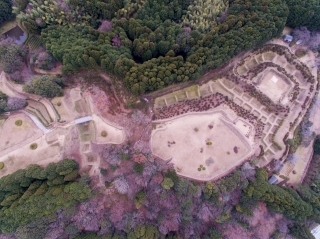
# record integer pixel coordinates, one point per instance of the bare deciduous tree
(121, 185)
(302, 34)
(15, 103)
(293, 159)
(105, 26)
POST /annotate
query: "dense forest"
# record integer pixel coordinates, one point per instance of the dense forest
(5, 10)
(150, 44)
(154, 43)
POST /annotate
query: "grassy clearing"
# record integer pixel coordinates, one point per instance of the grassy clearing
(181, 95)
(241, 70)
(269, 56)
(171, 100)
(161, 103)
(252, 63)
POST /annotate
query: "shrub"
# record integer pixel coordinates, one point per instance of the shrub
(138, 168)
(209, 143)
(33, 146)
(1, 165)
(196, 129)
(103, 171)
(104, 133)
(18, 122)
(139, 199)
(167, 183)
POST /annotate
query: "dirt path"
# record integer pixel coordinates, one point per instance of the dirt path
(107, 78)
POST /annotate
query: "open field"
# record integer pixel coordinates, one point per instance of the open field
(114, 135)
(62, 109)
(201, 139)
(275, 87)
(11, 134)
(24, 156)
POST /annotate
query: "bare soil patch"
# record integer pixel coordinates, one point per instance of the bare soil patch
(275, 87)
(114, 134)
(11, 134)
(188, 148)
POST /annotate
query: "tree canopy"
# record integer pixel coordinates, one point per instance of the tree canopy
(5, 10)
(45, 86)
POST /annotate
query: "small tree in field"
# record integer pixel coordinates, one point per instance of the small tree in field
(167, 183)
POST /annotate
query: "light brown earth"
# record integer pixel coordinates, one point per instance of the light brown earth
(115, 135)
(12, 134)
(183, 140)
(274, 87)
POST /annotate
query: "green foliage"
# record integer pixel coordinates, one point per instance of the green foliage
(104, 133)
(181, 187)
(138, 168)
(167, 183)
(1, 165)
(71, 176)
(211, 191)
(172, 174)
(165, 53)
(33, 146)
(49, 12)
(280, 200)
(103, 171)
(12, 57)
(6, 12)
(66, 166)
(89, 235)
(223, 217)
(201, 14)
(3, 102)
(45, 86)
(139, 199)
(27, 194)
(316, 146)
(304, 13)
(18, 122)
(300, 232)
(144, 232)
(214, 234)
